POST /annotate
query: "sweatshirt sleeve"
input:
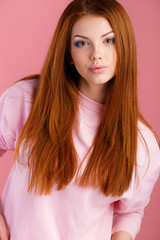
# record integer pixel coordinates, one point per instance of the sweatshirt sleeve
(15, 105)
(129, 209)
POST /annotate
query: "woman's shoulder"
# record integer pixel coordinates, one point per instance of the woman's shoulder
(15, 105)
(23, 89)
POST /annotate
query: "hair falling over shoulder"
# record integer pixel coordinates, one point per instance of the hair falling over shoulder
(52, 156)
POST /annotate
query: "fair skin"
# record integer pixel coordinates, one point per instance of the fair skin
(121, 236)
(3, 231)
(94, 55)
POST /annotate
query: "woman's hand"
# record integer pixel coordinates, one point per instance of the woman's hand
(121, 236)
(3, 229)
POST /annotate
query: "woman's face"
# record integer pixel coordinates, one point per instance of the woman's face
(93, 51)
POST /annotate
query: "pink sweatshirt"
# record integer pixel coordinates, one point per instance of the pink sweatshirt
(74, 213)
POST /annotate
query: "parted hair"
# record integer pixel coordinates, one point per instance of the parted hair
(52, 157)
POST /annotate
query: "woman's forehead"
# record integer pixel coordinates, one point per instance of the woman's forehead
(91, 25)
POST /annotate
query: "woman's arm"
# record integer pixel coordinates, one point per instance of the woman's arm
(3, 230)
(128, 211)
(121, 236)
(15, 105)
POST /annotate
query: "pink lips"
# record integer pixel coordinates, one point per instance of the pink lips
(97, 68)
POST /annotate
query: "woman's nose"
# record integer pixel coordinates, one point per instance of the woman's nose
(96, 54)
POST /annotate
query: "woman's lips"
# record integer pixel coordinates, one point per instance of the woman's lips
(97, 69)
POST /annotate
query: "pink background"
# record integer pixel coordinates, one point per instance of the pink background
(26, 29)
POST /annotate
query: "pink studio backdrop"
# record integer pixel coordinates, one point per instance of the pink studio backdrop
(26, 30)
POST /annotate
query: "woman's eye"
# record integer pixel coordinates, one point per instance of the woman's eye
(109, 40)
(81, 43)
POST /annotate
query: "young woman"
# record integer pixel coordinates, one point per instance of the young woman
(85, 159)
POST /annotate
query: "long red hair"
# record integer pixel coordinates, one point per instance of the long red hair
(52, 157)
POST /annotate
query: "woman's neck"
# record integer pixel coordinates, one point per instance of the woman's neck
(96, 92)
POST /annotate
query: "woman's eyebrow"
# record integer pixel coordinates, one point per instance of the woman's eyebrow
(106, 34)
(88, 38)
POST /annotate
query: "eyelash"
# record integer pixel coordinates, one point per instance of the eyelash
(80, 42)
(110, 40)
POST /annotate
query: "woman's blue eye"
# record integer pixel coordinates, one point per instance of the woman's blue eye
(109, 40)
(81, 44)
